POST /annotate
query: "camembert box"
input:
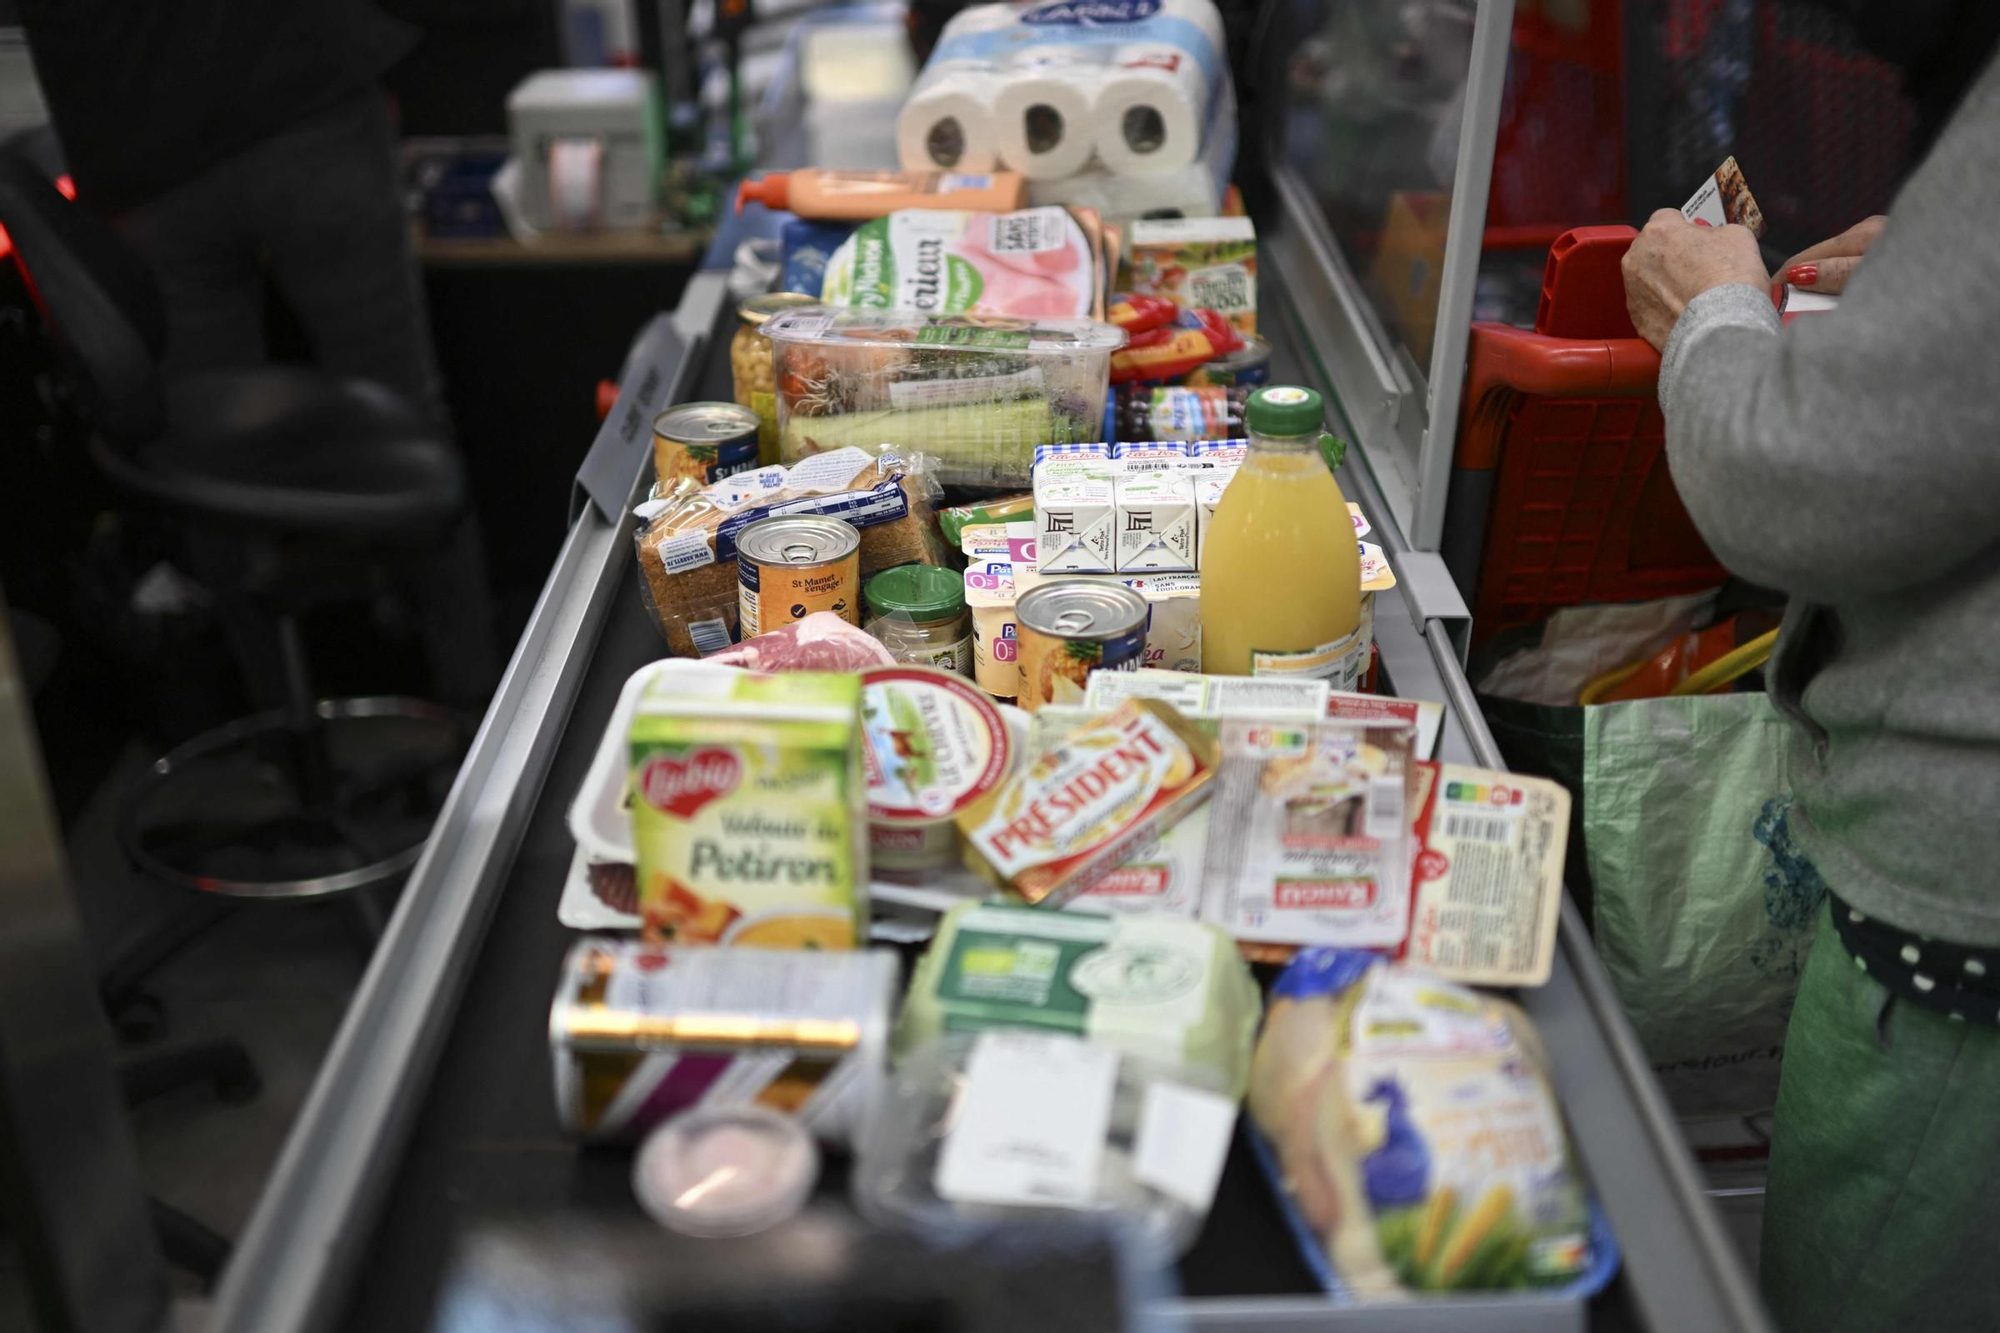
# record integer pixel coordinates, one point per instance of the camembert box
(1071, 817)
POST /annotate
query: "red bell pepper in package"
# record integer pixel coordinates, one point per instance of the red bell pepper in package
(1138, 314)
(1195, 338)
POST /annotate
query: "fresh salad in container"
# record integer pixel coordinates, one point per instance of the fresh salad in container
(979, 392)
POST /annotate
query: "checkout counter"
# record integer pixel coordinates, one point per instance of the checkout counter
(434, 1114)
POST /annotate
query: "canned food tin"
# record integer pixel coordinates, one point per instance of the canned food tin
(1072, 627)
(1247, 365)
(705, 441)
(640, 1031)
(793, 565)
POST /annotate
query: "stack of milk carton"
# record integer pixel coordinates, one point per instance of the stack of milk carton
(1128, 508)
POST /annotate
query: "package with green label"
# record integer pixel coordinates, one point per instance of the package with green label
(1036, 263)
(749, 810)
(1174, 995)
(979, 391)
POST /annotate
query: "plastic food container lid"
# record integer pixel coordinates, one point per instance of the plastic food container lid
(979, 334)
(725, 1171)
(760, 308)
(921, 592)
(1285, 409)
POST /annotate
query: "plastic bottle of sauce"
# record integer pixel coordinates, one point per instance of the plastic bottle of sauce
(1281, 572)
(860, 195)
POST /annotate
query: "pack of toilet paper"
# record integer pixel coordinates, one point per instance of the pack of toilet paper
(1047, 87)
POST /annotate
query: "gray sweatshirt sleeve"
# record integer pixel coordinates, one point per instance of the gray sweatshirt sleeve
(1857, 451)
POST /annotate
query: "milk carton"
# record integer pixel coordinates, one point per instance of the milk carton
(1074, 513)
(1157, 528)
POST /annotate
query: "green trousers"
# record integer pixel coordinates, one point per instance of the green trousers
(1884, 1204)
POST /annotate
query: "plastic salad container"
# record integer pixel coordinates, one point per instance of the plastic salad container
(1042, 1154)
(978, 392)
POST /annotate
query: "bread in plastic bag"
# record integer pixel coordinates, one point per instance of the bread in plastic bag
(687, 544)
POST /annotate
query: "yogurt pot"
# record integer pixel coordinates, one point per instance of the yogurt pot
(934, 744)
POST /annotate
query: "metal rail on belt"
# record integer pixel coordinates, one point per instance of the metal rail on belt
(290, 1269)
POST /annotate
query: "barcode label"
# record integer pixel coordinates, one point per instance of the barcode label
(1385, 807)
(710, 636)
(1477, 828)
(1033, 232)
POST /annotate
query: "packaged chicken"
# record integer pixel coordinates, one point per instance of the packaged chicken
(1417, 1134)
(977, 392)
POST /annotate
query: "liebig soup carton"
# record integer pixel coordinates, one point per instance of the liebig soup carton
(749, 811)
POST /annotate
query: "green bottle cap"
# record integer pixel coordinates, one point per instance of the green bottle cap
(918, 592)
(1284, 409)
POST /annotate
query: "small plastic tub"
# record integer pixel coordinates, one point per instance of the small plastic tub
(726, 1171)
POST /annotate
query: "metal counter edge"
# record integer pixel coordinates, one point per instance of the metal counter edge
(289, 1270)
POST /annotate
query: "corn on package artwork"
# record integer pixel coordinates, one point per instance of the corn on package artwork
(1416, 1130)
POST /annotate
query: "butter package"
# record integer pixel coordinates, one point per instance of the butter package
(1156, 517)
(1173, 626)
(1309, 842)
(1198, 264)
(1488, 875)
(1075, 508)
(997, 966)
(1073, 815)
(749, 810)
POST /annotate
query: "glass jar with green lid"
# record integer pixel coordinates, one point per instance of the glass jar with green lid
(919, 615)
(752, 374)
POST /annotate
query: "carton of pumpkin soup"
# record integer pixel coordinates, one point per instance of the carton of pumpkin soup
(749, 810)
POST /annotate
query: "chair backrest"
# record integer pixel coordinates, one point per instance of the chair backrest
(100, 300)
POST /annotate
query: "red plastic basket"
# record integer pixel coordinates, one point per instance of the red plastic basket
(1564, 421)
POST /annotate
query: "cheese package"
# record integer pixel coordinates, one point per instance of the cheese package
(1488, 875)
(1075, 813)
(992, 965)
(1309, 842)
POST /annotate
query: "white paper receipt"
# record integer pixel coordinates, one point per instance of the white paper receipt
(1182, 1142)
(1032, 1119)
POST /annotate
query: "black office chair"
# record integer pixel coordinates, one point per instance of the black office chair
(289, 483)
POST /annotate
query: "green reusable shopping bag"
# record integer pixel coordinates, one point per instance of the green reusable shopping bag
(1702, 908)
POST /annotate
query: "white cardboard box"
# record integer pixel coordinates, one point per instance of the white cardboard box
(1075, 507)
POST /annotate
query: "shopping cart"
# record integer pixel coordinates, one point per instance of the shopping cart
(1560, 491)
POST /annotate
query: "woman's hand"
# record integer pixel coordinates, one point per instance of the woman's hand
(1826, 267)
(1674, 260)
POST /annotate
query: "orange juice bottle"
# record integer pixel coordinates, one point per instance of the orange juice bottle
(1281, 571)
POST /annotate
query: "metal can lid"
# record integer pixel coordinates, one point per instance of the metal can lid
(920, 592)
(798, 539)
(1076, 609)
(702, 423)
(1285, 409)
(760, 308)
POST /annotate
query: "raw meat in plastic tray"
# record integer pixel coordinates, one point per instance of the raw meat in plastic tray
(820, 642)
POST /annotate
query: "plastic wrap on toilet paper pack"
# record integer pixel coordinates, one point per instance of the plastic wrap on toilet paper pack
(1131, 83)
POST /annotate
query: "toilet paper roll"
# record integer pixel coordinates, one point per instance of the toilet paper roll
(1153, 103)
(1152, 109)
(947, 123)
(1045, 110)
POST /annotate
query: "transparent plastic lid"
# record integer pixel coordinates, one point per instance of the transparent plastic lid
(974, 333)
(725, 1171)
(1013, 1125)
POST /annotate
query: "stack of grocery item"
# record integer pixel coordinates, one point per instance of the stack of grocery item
(1125, 104)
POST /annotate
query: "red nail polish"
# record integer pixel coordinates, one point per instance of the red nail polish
(1803, 275)
(1701, 222)
(1778, 293)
